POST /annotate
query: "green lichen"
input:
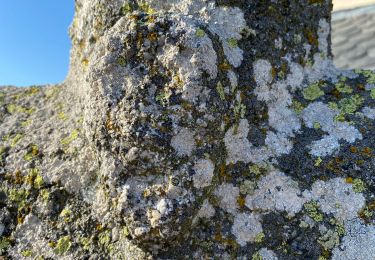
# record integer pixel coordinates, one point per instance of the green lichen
(104, 237)
(66, 214)
(62, 116)
(358, 186)
(329, 240)
(247, 187)
(220, 90)
(200, 33)
(312, 92)
(351, 104)
(370, 75)
(26, 123)
(2, 150)
(239, 110)
(259, 237)
(297, 107)
(4, 244)
(372, 93)
(85, 242)
(73, 136)
(121, 61)
(16, 139)
(317, 125)
(312, 209)
(127, 8)
(163, 98)
(44, 194)
(146, 8)
(318, 162)
(333, 106)
(343, 88)
(232, 42)
(13, 109)
(255, 169)
(35, 179)
(26, 253)
(257, 256)
(19, 196)
(32, 152)
(63, 245)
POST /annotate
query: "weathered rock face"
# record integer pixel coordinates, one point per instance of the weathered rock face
(192, 129)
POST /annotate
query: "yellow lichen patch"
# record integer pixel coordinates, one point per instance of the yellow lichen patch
(13, 109)
(33, 152)
(62, 116)
(26, 123)
(73, 136)
(15, 140)
(200, 33)
(318, 162)
(34, 179)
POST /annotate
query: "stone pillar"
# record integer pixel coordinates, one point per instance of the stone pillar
(221, 129)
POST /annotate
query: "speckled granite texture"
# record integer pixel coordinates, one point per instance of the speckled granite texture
(192, 130)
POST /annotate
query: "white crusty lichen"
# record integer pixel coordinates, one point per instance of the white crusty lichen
(228, 23)
(267, 254)
(262, 75)
(239, 147)
(276, 192)
(338, 198)
(30, 236)
(183, 142)
(227, 194)
(358, 242)
(278, 143)
(204, 171)
(189, 63)
(246, 227)
(369, 112)
(335, 130)
(206, 211)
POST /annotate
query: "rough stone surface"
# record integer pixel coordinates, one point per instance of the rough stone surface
(192, 130)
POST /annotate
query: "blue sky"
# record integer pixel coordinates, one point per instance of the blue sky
(34, 41)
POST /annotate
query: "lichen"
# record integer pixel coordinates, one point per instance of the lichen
(63, 245)
(313, 92)
(68, 140)
(4, 244)
(358, 186)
